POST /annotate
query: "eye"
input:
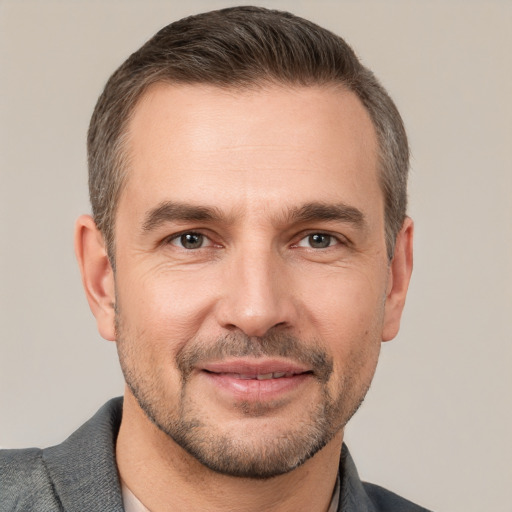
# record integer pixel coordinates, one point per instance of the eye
(318, 241)
(190, 240)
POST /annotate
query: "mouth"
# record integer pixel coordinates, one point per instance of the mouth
(256, 380)
(258, 376)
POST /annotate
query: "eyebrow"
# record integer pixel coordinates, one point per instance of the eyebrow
(316, 211)
(171, 211)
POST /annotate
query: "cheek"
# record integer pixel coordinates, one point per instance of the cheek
(345, 304)
(347, 315)
(168, 307)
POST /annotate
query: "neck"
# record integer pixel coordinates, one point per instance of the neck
(165, 477)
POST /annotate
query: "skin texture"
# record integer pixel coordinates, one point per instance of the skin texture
(249, 240)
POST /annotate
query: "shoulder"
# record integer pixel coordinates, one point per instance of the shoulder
(24, 482)
(359, 496)
(78, 474)
(387, 501)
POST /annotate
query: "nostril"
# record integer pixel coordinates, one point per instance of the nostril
(254, 317)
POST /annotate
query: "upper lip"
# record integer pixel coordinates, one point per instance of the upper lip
(254, 366)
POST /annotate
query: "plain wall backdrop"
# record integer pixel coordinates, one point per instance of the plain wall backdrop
(436, 426)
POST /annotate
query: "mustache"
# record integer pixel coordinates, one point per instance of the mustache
(274, 344)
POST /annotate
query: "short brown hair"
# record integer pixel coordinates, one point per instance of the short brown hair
(235, 48)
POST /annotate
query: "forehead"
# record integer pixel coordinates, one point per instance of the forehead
(200, 143)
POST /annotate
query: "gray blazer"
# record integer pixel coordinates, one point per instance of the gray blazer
(80, 475)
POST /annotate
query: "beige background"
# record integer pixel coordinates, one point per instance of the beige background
(437, 424)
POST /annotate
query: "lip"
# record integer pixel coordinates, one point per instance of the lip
(254, 366)
(255, 380)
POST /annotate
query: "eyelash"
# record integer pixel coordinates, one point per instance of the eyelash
(332, 239)
(179, 236)
(177, 240)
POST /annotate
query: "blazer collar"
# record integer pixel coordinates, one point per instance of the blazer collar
(83, 468)
(353, 496)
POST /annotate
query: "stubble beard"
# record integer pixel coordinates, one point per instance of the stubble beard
(233, 453)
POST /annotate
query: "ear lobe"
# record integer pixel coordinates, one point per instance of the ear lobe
(97, 274)
(399, 276)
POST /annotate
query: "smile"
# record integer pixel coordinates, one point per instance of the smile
(259, 376)
(255, 381)
(255, 368)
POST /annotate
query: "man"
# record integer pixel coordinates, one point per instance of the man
(249, 250)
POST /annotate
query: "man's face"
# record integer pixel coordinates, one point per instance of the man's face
(252, 274)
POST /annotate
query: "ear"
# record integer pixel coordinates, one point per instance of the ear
(97, 274)
(398, 280)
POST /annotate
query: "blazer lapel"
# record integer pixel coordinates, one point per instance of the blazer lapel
(83, 468)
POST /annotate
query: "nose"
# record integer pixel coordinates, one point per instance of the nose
(257, 294)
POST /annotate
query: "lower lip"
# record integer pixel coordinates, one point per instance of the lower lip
(256, 390)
